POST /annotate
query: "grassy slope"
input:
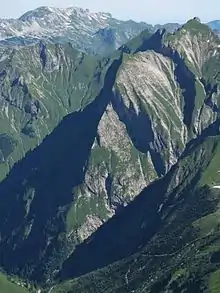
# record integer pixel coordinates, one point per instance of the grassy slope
(215, 282)
(7, 286)
(67, 82)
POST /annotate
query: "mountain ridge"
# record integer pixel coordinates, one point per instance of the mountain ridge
(88, 31)
(100, 32)
(144, 120)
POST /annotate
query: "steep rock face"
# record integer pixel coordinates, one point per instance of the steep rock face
(176, 85)
(200, 49)
(146, 86)
(196, 43)
(116, 172)
(166, 239)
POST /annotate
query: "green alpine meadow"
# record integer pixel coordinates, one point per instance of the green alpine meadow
(109, 155)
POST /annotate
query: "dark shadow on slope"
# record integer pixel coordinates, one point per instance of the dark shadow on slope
(210, 90)
(152, 43)
(215, 258)
(43, 54)
(120, 236)
(128, 231)
(186, 80)
(51, 171)
(139, 128)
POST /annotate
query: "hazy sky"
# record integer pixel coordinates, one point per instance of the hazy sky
(152, 11)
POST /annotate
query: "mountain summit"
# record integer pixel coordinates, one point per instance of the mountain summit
(76, 25)
(93, 33)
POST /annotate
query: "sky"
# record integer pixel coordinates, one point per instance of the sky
(150, 11)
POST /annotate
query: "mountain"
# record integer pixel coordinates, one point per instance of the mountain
(39, 85)
(104, 159)
(102, 130)
(215, 25)
(94, 33)
(166, 240)
(168, 237)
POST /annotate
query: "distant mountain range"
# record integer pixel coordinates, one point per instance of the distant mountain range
(215, 24)
(94, 33)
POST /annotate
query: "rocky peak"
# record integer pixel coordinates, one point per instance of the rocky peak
(197, 19)
(40, 12)
(45, 11)
(73, 24)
